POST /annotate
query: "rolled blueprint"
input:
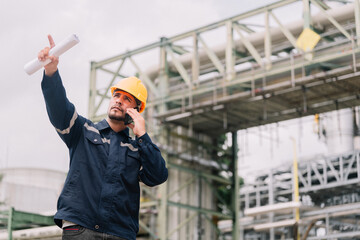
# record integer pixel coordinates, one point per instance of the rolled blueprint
(59, 49)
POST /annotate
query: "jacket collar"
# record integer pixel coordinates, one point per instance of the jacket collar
(103, 124)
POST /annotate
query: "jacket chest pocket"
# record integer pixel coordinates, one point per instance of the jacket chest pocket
(95, 149)
(133, 159)
(132, 165)
(94, 138)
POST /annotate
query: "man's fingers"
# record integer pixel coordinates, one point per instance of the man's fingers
(44, 54)
(131, 112)
(46, 50)
(51, 41)
(53, 58)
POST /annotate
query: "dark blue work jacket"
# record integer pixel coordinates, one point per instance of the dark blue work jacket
(101, 191)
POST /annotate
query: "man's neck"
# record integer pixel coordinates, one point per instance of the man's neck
(116, 126)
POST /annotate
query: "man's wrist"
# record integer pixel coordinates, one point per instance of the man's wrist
(140, 135)
(50, 73)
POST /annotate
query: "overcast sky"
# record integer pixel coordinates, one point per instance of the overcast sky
(105, 28)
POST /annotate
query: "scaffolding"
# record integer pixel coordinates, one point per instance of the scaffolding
(330, 200)
(244, 71)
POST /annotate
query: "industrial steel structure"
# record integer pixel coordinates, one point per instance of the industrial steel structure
(255, 68)
(248, 70)
(330, 200)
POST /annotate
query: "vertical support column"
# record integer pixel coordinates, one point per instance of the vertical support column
(327, 224)
(358, 165)
(236, 186)
(307, 24)
(195, 60)
(10, 223)
(296, 189)
(199, 222)
(162, 191)
(92, 94)
(267, 42)
(163, 75)
(306, 14)
(229, 52)
(357, 20)
(271, 201)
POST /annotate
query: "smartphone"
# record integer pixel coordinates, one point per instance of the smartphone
(128, 119)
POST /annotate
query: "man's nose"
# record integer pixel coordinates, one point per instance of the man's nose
(118, 101)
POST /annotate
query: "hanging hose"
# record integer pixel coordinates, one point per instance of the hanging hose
(308, 229)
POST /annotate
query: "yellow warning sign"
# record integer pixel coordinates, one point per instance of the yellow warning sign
(307, 40)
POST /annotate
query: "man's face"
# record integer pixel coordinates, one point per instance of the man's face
(120, 101)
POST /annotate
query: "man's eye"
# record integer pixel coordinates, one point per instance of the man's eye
(128, 99)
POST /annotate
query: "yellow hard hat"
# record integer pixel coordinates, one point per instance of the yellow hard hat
(135, 87)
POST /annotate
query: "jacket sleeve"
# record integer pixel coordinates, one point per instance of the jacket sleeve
(154, 171)
(61, 111)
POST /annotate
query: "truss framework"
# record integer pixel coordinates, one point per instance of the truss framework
(210, 88)
(330, 182)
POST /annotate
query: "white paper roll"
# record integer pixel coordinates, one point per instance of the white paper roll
(59, 49)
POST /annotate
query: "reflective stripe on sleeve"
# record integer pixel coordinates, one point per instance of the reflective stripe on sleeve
(91, 128)
(72, 122)
(131, 147)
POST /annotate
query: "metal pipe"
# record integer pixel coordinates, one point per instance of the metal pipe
(340, 14)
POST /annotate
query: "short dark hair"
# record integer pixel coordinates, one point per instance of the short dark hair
(138, 102)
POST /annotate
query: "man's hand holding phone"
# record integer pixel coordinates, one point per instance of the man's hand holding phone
(138, 125)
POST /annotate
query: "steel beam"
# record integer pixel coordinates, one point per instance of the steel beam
(190, 103)
(332, 20)
(252, 50)
(10, 223)
(229, 54)
(197, 173)
(337, 236)
(285, 31)
(215, 60)
(307, 14)
(267, 41)
(199, 210)
(92, 90)
(183, 186)
(195, 68)
(110, 84)
(182, 224)
(236, 188)
(357, 21)
(145, 78)
(179, 67)
(148, 230)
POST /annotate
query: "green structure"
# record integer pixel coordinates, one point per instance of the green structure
(14, 220)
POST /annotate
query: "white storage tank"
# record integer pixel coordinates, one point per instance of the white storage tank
(31, 190)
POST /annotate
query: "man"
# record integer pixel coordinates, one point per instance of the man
(100, 198)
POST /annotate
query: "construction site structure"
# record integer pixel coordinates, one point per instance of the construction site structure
(248, 70)
(319, 196)
(282, 61)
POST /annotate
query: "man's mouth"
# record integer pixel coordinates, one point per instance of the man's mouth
(116, 108)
